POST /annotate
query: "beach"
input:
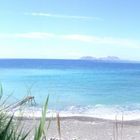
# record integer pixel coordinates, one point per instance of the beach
(86, 128)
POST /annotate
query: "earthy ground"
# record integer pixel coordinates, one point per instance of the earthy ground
(86, 128)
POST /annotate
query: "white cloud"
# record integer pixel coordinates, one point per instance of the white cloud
(102, 40)
(63, 16)
(74, 37)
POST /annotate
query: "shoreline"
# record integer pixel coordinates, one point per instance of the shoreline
(80, 118)
(27, 114)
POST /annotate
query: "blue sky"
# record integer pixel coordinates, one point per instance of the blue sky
(67, 29)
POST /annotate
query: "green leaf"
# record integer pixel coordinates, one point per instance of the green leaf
(1, 91)
(40, 130)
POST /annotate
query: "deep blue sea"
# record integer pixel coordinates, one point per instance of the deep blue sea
(75, 86)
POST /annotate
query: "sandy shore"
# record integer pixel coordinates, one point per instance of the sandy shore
(86, 128)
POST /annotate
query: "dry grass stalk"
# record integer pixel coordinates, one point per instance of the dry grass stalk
(122, 125)
(58, 125)
(116, 127)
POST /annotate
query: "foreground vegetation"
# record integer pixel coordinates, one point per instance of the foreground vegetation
(11, 131)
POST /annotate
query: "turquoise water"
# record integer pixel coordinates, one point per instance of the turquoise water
(75, 86)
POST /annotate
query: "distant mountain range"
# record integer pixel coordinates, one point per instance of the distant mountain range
(108, 58)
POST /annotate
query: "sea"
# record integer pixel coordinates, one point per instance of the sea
(101, 89)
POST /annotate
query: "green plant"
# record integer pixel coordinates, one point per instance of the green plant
(39, 133)
(9, 133)
(7, 127)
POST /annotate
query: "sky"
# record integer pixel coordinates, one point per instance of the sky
(69, 29)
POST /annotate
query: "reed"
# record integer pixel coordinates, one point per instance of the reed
(122, 125)
(58, 126)
(118, 129)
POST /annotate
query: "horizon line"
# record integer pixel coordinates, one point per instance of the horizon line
(84, 59)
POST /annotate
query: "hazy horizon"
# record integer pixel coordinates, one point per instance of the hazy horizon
(80, 58)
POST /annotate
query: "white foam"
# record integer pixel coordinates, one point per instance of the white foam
(98, 111)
